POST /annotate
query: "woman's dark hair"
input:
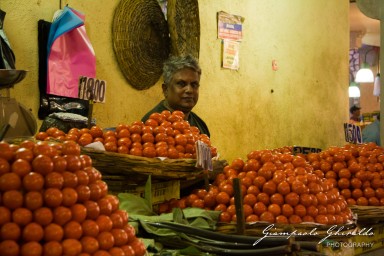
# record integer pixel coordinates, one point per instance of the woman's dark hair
(176, 63)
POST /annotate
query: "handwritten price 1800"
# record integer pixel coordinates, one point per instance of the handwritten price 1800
(92, 89)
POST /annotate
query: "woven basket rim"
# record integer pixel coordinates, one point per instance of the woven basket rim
(184, 27)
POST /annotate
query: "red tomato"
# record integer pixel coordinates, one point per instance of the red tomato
(5, 215)
(82, 177)
(103, 187)
(32, 248)
(21, 167)
(114, 201)
(105, 206)
(79, 212)
(128, 250)
(70, 179)
(123, 214)
(9, 247)
(120, 236)
(10, 181)
(43, 216)
(53, 197)
(130, 231)
(4, 166)
(116, 251)
(69, 196)
(10, 231)
(33, 200)
(104, 222)
(33, 181)
(71, 247)
(138, 247)
(83, 193)
(70, 148)
(53, 232)
(22, 216)
(73, 229)
(93, 209)
(42, 164)
(5, 151)
(59, 164)
(90, 244)
(95, 191)
(62, 215)
(73, 163)
(52, 248)
(106, 240)
(54, 180)
(117, 220)
(90, 228)
(33, 232)
(12, 199)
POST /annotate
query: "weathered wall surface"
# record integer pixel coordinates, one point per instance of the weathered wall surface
(308, 38)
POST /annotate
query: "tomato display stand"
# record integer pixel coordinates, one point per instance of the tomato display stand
(138, 168)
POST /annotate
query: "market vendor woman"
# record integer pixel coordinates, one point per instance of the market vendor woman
(181, 76)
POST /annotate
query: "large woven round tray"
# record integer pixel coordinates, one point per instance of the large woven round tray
(138, 168)
(184, 27)
(141, 41)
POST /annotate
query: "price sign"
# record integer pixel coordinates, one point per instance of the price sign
(353, 133)
(92, 89)
(203, 156)
(305, 150)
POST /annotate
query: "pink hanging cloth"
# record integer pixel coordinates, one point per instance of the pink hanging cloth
(70, 54)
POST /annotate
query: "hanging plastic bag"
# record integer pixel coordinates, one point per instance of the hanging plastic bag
(70, 54)
(7, 58)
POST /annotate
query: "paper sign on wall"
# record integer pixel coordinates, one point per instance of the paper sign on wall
(353, 133)
(230, 30)
(229, 26)
(231, 54)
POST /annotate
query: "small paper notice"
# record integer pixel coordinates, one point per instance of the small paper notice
(204, 156)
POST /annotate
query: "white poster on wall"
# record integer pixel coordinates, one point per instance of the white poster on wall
(231, 54)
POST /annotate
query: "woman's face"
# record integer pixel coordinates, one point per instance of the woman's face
(182, 93)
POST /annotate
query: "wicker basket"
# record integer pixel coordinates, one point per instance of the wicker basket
(368, 214)
(138, 168)
(184, 27)
(141, 41)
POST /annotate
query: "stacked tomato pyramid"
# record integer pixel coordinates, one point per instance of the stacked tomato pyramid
(53, 202)
(164, 134)
(276, 187)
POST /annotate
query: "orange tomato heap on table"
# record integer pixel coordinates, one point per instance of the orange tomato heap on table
(53, 202)
(276, 188)
(164, 134)
(356, 170)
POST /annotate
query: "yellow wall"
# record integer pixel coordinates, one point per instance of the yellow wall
(308, 38)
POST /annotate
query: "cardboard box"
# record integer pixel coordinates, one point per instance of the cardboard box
(363, 244)
(160, 191)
